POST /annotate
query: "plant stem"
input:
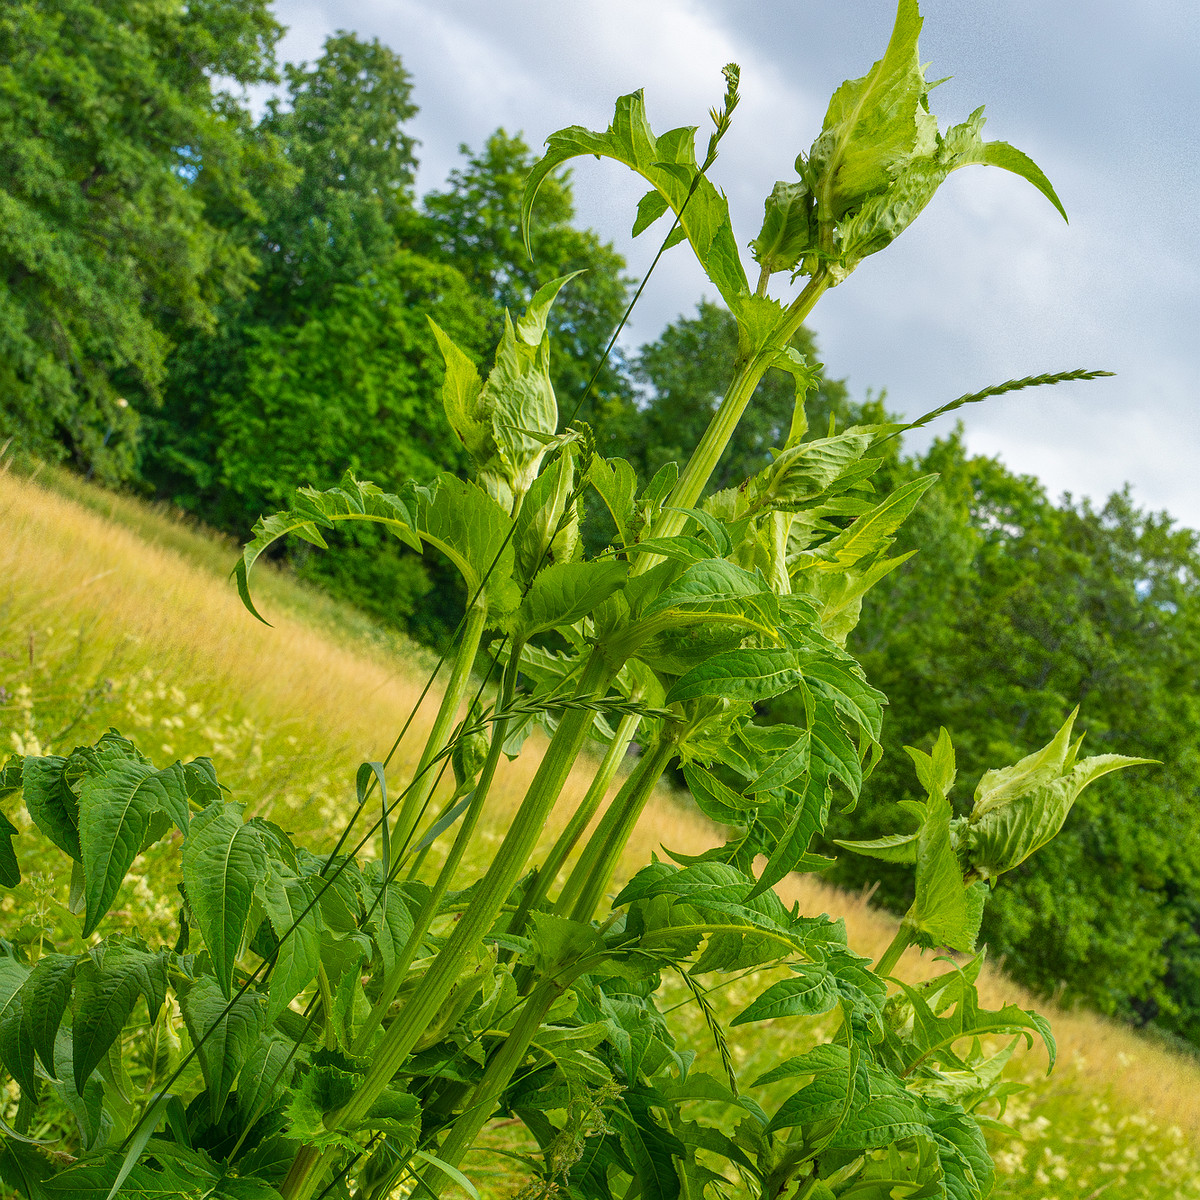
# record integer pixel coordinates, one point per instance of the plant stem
(891, 956)
(493, 890)
(466, 831)
(547, 873)
(500, 1069)
(456, 690)
(696, 474)
(593, 871)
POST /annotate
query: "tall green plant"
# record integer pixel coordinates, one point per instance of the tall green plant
(324, 1026)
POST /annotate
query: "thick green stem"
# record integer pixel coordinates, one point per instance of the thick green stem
(592, 874)
(547, 873)
(490, 896)
(500, 1069)
(424, 778)
(696, 474)
(466, 831)
(891, 956)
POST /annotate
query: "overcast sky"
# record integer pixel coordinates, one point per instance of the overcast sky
(987, 285)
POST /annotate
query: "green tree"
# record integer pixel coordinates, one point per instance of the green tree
(121, 167)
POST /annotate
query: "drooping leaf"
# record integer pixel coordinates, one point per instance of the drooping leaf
(651, 1149)
(118, 801)
(223, 861)
(16, 1046)
(811, 991)
(223, 1039)
(108, 982)
(50, 801)
(668, 163)
(717, 800)
(313, 511)
(44, 998)
(10, 870)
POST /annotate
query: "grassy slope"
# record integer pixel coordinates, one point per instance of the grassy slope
(113, 614)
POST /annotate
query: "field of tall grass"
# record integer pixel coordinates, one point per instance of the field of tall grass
(114, 614)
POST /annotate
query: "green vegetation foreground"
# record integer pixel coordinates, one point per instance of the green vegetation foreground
(114, 615)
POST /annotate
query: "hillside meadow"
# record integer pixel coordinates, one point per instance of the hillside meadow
(114, 614)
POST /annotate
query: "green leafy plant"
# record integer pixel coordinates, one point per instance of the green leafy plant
(329, 1025)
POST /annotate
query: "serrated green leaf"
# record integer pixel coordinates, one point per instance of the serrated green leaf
(224, 1035)
(716, 800)
(825, 1056)
(461, 386)
(560, 946)
(44, 998)
(313, 511)
(786, 766)
(223, 861)
(108, 982)
(745, 675)
(1009, 832)
(118, 799)
(669, 164)
(563, 593)
(807, 820)
(827, 1098)
(23, 1169)
(1001, 786)
(267, 1070)
(936, 771)
(810, 992)
(882, 1121)
(1001, 154)
(50, 801)
(650, 207)
(874, 124)
(16, 1046)
(289, 903)
(896, 847)
(872, 532)
(788, 229)
(10, 870)
(616, 483)
(651, 1149)
(945, 911)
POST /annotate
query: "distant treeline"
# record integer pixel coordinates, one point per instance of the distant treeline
(213, 309)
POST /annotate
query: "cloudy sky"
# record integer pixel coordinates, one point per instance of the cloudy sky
(988, 284)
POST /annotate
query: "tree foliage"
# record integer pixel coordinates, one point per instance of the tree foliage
(122, 166)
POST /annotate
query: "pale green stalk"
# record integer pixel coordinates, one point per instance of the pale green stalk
(466, 830)
(424, 778)
(547, 873)
(493, 891)
(593, 872)
(628, 803)
(691, 484)
(891, 956)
